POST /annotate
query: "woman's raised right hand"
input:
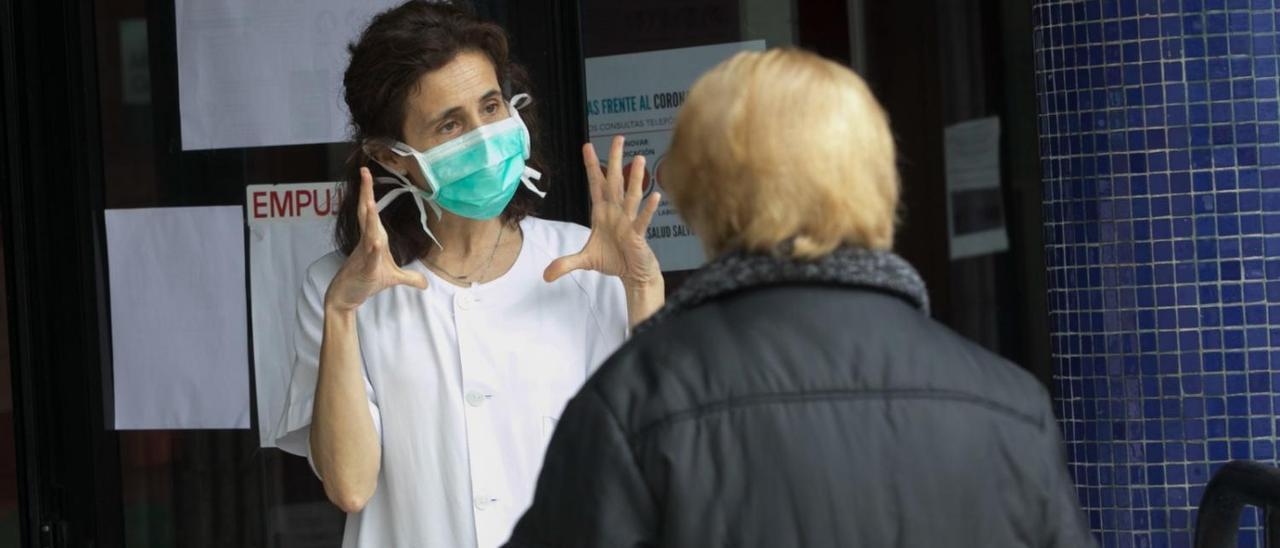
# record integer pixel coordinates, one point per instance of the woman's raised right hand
(370, 268)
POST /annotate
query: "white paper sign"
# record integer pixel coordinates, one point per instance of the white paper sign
(179, 340)
(638, 95)
(265, 72)
(975, 204)
(290, 226)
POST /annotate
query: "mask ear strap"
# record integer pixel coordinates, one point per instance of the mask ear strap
(518, 102)
(406, 187)
(422, 218)
(389, 197)
(412, 191)
(528, 177)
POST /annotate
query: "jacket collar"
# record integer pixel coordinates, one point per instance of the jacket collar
(848, 266)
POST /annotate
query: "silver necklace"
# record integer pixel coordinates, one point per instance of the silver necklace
(479, 270)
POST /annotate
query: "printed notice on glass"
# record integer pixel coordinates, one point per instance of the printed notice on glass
(975, 204)
(179, 345)
(290, 226)
(255, 73)
(637, 95)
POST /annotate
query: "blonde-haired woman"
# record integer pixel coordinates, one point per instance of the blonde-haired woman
(794, 392)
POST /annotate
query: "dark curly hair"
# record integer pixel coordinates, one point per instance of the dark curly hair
(398, 47)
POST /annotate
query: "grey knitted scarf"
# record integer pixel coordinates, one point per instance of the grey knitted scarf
(848, 266)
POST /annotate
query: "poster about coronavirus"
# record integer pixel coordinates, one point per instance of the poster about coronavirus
(637, 95)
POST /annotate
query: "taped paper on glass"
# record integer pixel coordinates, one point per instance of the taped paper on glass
(254, 73)
(975, 203)
(290, 226)
(179, 337)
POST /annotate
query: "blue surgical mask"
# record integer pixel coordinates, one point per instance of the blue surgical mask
(473, 176)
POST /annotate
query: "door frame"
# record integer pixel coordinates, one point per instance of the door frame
(68, 458)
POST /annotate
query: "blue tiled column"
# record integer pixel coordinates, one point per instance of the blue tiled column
(1161, 165)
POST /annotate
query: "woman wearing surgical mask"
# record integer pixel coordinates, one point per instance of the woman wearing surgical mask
(436, 349)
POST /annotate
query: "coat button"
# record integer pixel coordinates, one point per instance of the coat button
(483, 502)
(475, 399)
(465, 301)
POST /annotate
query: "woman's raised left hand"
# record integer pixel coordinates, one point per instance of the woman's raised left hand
(617, 245)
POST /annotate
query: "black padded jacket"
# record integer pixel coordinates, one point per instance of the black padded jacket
(777, 403)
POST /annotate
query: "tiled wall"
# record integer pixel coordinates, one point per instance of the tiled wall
(1161, 163)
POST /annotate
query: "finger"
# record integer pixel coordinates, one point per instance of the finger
(564, 265)
(613, 189)
(372, 225)
(372, 222)
(365, 194)
(595, 178)
(372, 232)
(635, 186)
(368, 205)
(411, 279)
(646, 215)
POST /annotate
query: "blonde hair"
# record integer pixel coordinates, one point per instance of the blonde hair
(781, 147)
